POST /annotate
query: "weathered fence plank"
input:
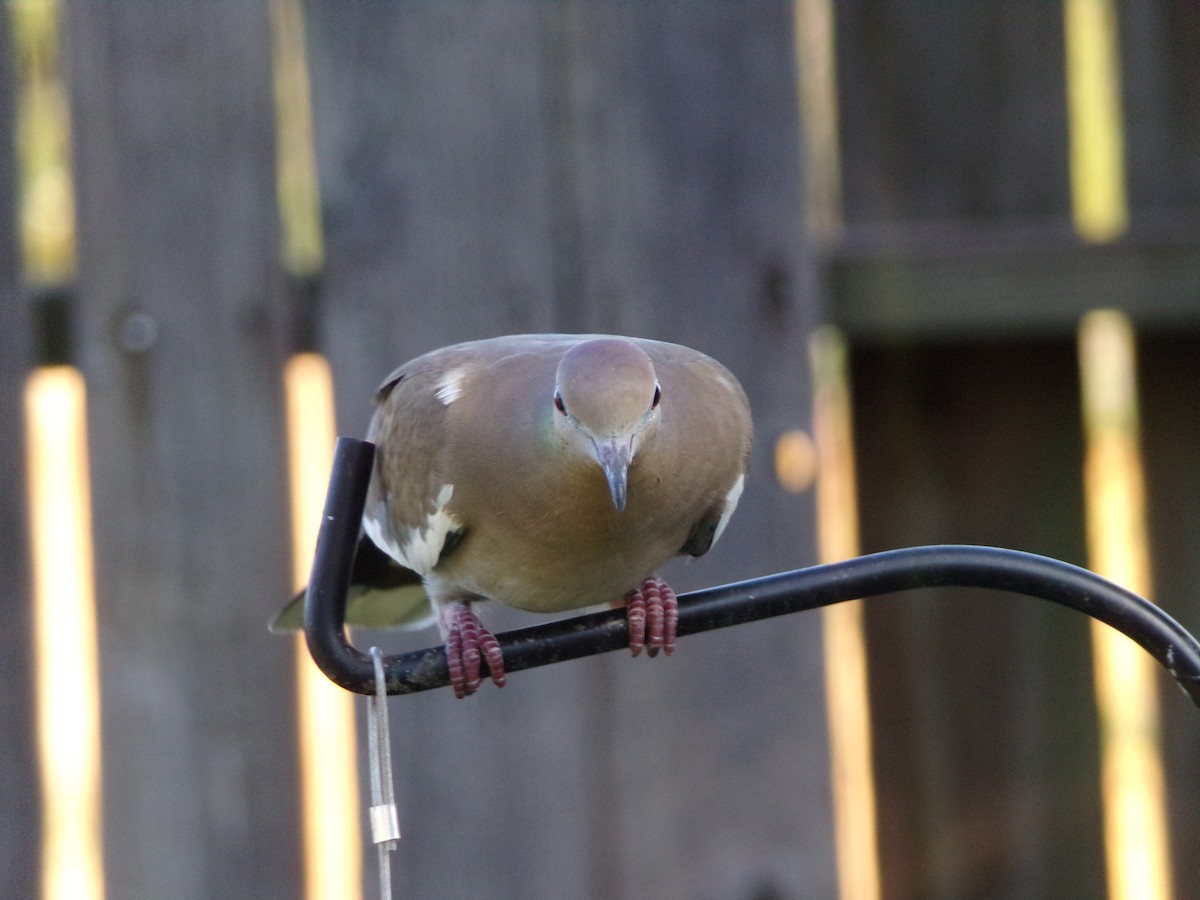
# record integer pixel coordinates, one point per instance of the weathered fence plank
(1160, 80)
(430, 142)
(682, 123)
(434, 176)
(20, 826)
(1170, 410)
(181, 339)
(982, 711)
(618, 167)
(951, 113)
(999, 281)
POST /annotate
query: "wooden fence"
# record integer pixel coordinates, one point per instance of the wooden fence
(635, 168)
(960, 283)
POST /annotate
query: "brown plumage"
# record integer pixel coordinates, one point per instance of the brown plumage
(552, 472)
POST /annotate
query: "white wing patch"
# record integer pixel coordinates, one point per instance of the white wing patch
(419, 548)
(731, 502)
(380, 533)
(449, 387)
(424, 545)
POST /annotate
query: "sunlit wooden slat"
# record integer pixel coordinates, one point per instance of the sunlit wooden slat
(1097, 144)
(846, 685)
(326, 722)
(67, 667)
(1135, 830)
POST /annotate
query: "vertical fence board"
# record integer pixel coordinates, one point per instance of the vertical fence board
(430, 133)
(1170, 409)
(951, 111)
(429, 126)
(616, 167)
(181, 341)
(983, 715)
(682, 128)
(19, 826)
(1160, 77)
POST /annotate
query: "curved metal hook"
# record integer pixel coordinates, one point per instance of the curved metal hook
(733, 604)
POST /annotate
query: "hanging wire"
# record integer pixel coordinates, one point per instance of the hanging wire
(385, 822)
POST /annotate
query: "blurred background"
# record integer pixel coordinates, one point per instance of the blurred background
(951, 250)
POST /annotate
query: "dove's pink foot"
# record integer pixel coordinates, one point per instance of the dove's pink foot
(467, 644)
(653, 614)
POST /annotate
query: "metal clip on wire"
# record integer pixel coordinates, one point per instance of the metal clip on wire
(734, 604)
(385, 822)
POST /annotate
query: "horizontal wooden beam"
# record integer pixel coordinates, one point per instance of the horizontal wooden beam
(954, 282)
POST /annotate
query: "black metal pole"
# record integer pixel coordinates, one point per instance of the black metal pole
(325, 599)
(718, 607)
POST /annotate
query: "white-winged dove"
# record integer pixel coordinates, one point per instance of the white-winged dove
(548, 472)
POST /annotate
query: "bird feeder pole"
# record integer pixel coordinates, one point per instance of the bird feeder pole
(733, 604)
